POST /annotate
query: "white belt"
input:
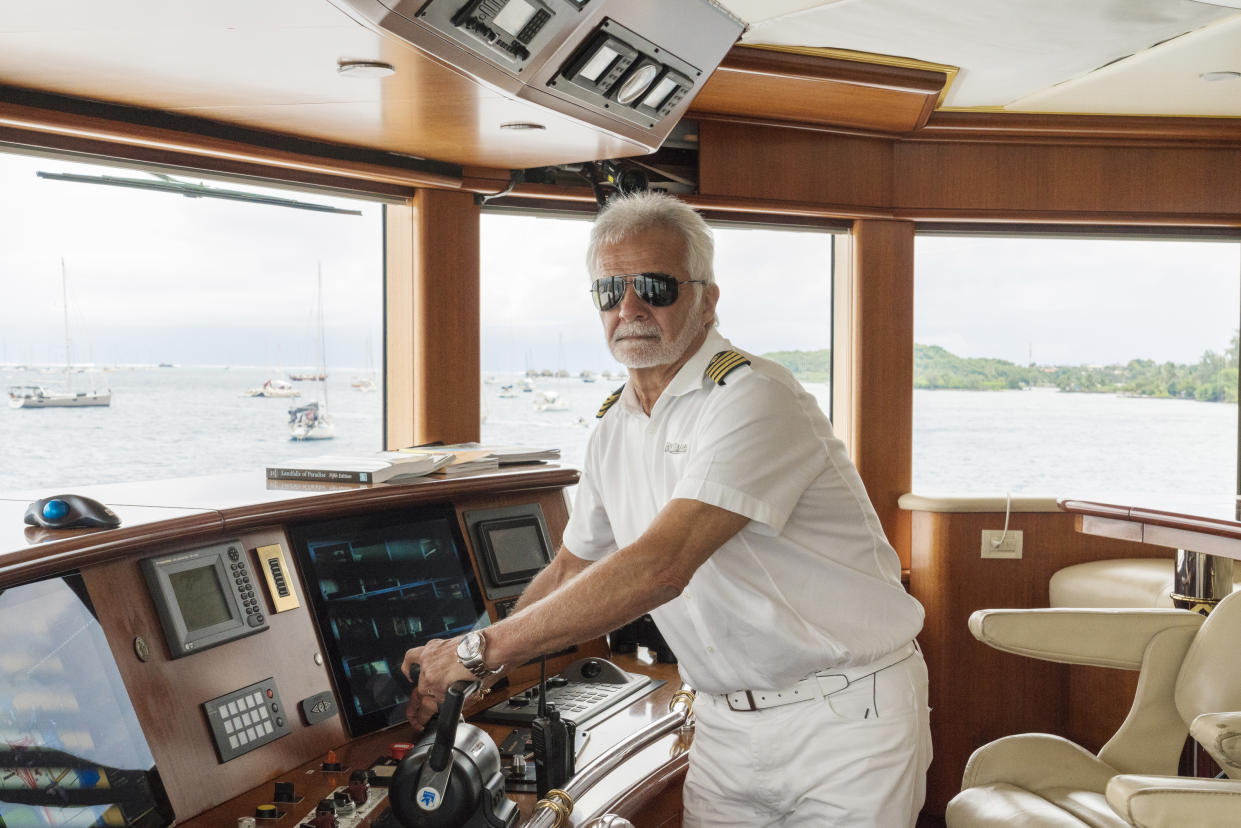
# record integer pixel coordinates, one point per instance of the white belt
(817, 686)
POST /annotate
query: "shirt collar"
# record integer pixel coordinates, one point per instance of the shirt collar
(690, 377)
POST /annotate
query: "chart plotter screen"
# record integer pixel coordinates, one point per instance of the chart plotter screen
(71, 749)
(379, 585)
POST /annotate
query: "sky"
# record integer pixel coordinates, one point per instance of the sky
(1077, 301)
(154, 277)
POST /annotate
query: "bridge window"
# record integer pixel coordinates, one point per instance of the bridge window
(541, 330)
(176, 308)
(1101, 368)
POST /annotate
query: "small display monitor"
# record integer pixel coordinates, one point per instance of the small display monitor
(73, 751)
(379, 585)
(512, 545)
(204, 597)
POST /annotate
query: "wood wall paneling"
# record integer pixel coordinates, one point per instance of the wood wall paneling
(1044, 179)
(763, 162)
(988, 178)
(979, 694)
(398, 325)
(432, 319)
(881, 393)
(447, 370)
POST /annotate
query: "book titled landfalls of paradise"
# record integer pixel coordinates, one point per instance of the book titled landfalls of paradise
(384, 467)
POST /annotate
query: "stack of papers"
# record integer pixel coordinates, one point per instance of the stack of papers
(384, 467)
(473, 457)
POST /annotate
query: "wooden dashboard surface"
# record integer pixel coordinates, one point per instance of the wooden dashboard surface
(168, 694)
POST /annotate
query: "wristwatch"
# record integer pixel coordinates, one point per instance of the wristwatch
(471, 652)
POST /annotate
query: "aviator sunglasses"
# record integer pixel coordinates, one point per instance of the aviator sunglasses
(659, 290)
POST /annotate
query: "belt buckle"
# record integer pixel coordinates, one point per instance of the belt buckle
(749, 697)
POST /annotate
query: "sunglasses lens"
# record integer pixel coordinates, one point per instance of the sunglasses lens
(656, 289)
(607, 292)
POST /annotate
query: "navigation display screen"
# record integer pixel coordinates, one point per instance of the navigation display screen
(379, 585)
(200, 597)
(72, 751)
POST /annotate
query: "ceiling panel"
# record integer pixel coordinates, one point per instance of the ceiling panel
(1005, 51)
(1162, 81)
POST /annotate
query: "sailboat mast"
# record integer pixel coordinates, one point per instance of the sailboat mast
(322, 344)
(64, 304)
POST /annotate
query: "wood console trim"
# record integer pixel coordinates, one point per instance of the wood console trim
(205, 508)
(167, 693)
(75, 549)
(358, 499)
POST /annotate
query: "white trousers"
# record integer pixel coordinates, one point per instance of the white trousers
(856, 758)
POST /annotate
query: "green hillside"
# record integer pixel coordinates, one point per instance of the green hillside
(1213, 378)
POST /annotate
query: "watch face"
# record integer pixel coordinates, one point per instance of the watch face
(468, 648)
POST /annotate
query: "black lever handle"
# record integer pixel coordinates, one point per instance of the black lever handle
(446, 728)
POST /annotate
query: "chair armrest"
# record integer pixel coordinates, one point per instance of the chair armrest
(1220, 735)
(1174, 801)
(1099, 637)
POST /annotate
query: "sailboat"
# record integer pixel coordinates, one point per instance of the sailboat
(312, 420)
(37, 396)
(367, 383)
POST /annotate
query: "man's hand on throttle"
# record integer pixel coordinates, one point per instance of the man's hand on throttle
(438, 668)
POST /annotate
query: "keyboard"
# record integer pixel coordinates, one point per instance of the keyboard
(586, 690)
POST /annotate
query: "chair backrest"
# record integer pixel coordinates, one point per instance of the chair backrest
(1210, 677)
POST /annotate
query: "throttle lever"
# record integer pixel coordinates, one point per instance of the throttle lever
(446, 726)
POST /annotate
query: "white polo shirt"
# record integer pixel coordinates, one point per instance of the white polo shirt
(809, 583)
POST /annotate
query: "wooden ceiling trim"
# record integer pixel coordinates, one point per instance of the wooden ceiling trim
(784, 65)
(1077, 129)
(1028, 219)
(210, 149)
(99, 151)
(759, 83)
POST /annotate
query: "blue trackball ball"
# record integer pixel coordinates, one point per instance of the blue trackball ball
(55, 509)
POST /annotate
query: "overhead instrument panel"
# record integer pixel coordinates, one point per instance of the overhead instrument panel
(630, 68)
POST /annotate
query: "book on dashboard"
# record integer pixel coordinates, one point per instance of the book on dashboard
(385, 467)
(460, 461)
(490, 456)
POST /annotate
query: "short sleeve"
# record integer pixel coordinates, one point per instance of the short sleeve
(588, 534)
(758, 446)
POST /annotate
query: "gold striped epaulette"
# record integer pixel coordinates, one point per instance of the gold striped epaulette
(723, 364)
(609, 402)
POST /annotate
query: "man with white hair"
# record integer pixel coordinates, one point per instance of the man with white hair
(716, 498)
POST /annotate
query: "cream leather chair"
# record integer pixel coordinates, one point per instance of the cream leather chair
(1189, 667)
(1118, 582)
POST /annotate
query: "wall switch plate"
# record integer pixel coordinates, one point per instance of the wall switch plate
(1009, 547)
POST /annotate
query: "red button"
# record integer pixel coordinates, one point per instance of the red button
(270, 693)
(398, 750)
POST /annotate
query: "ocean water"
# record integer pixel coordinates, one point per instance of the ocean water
(171, 422)
(1093, 446)
(181, 421)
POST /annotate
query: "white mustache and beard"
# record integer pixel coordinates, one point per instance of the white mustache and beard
(645, 345)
